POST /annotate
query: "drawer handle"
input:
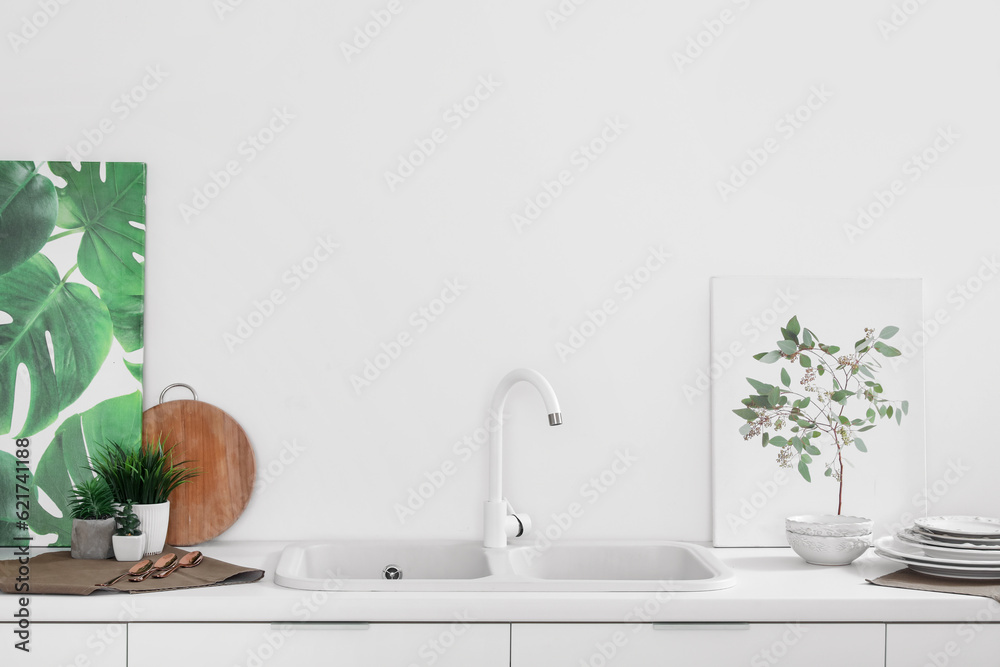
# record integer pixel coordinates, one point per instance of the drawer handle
(320, 626)
(701, 626)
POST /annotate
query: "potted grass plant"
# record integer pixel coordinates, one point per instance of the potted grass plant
(91, 505)
(144, 476)
(128, 541)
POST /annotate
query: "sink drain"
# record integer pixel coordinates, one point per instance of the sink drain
(392, 572)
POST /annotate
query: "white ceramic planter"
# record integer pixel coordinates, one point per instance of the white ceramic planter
(828, 539)
(153, 521)
(129, 547)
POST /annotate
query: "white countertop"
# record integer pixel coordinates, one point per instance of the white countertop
(773, 585)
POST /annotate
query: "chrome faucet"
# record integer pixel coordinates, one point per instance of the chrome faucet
(500, 521)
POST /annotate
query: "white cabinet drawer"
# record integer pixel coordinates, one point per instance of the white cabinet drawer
(306, 645)
(690, 645)
(971, 644)
(65, 645)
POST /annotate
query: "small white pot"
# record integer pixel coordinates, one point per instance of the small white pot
(835, 550)
(129, 547)
(829, 525)
(153, 521)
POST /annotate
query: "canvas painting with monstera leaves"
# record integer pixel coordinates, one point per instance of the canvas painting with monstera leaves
(72, 244)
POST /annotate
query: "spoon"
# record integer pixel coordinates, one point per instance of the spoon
(165, 561)
(135, 570)
(189, 559)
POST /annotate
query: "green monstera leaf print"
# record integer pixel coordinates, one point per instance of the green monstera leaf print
(46, 308)
(28, 206)
(105, 209)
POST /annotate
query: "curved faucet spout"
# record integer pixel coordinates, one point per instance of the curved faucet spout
(500, 520)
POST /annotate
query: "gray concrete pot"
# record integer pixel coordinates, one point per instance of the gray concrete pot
(91, 538)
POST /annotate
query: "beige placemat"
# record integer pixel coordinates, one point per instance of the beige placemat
(907, 578)
(58, 573)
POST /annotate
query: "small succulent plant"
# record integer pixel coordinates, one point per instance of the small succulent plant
(91, 500)
(128, 522)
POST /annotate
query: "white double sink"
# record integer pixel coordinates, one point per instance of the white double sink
(468, 566)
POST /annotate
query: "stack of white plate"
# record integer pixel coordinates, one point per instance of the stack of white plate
(958, 547)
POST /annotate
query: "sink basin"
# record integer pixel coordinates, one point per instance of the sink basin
(468, 566)
(612, 566)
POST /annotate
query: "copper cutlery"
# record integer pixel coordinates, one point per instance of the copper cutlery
(137, 569)
(190, 559)
(165, 561)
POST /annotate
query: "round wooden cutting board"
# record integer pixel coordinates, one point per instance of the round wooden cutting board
(212, 441)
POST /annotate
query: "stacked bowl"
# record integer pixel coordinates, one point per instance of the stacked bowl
(828, 539)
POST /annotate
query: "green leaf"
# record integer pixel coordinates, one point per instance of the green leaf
(774, 396)
(877, 388)
(844, 420)
(870, 414)
(857, 422)
(841, 395)
(806, 458)
(822, 369)
(812, 449)
(788, 347)
(788, 335)
(28, 207)
(767, 357)
(126, 312)
(881, 410)
(804, 471)
(793, 325)
(761, 387)
(865, 371)
(807, 338)
(804, 403)
(778, 441)
(797, 444)
(785, 378)
(860, 444)
(106, 210)
(888, 412)
(905, 405)
(134, 369)
(746, 414)
(828, 472)
(832, 349)
(805, 361)
(745, 429)
(888, 332)
(887, 350)
(866, 428)
(764, 439)
(64, 463)
(76, 321)
(858, 345)
(899, 416)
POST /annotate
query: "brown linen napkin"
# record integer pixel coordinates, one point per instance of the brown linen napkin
(57, 573)
(907, 578)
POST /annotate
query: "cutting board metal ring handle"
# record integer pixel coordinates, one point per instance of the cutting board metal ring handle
(178, 384)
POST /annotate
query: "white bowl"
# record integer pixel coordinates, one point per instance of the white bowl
(826, 550)
(829, 525)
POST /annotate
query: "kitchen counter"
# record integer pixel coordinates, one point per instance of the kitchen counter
(773, 585)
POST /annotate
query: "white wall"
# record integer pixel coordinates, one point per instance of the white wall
(656, 185)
